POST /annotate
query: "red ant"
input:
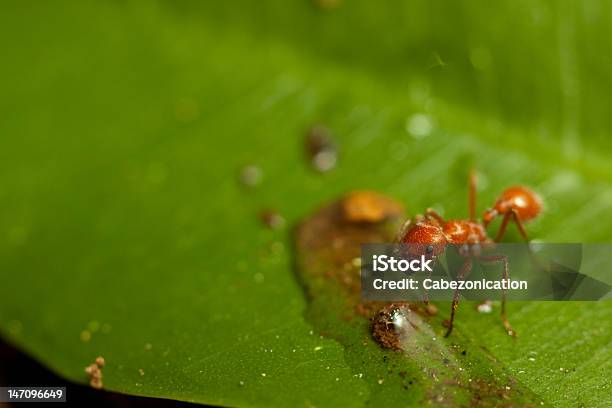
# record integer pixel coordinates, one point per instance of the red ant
(517, 204)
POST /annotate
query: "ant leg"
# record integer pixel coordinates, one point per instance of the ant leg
(431, 213)
(505, 275)
(425, 293)
(472, 196)
(466, 267)
(519, 225)
(429, 308)
(502, 228)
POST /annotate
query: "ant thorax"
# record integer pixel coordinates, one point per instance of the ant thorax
(449, 232)
(465, 232)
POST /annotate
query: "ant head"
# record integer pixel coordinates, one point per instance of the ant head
(526, 203)
(425, 238)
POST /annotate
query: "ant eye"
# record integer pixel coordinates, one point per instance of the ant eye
(429, 249)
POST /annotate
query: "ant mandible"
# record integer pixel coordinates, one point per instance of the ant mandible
(431, 233)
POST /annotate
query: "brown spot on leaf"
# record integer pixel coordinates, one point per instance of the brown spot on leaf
(328, 234)
(384, 330)
(370, 207)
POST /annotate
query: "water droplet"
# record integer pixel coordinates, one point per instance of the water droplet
(93, 326)
(485, 307)
(419, 125)
(321, 149)
(85, 336)
(272, 219)
(251, 176)
(148, 346)
(258, 277)
(324, 161)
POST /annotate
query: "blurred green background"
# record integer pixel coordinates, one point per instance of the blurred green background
(125, 125)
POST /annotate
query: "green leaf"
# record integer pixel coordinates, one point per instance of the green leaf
(125, 232)
(418, 365)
